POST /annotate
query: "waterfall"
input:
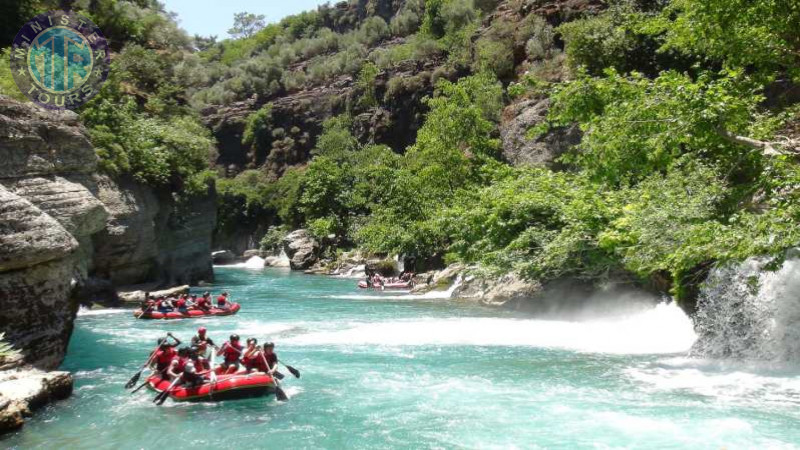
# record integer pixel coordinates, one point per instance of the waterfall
(749, 312)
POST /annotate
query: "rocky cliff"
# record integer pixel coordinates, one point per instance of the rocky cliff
(68, 234)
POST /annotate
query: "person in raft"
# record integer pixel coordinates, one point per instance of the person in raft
(251, 355)
(177, 364)
(269, 363)
(200, 362)
(201, 341)
(165, 353)
(232, 351)
(181, 306)
(203, 303)
(223, 302)
(191, 376)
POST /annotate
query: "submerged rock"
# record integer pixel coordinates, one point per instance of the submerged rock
(301, 248)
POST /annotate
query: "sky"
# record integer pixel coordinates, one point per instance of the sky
(215, 17)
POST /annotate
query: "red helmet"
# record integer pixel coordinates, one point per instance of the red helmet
(201, 330)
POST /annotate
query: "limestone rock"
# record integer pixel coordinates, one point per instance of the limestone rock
(497, 291)
(301, 248)
(28, 236)
(72, 204)
(38, 313)
(125, 251)
(137, 294)
(223, 257)
(252, 252)
(540, 151)
(25, 389)
(37, 141)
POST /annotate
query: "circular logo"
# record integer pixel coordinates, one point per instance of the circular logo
(60, 59)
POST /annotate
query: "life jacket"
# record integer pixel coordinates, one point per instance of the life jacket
(231, 355)
(180, 303)
(201, 364)
(222, 300)
(181, 365)
(164, 357)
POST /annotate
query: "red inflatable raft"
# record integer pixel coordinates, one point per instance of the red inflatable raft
(394, 285)
(191, 313)
(226, 387)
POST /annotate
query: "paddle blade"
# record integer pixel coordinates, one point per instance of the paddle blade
(140, 386)
(280, 395)
(294, 371)
(278, 375)
(133, 380)
(159, 396)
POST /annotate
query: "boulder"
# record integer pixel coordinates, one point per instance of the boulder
(301, 248)
(223, 257)
(136, 294)
(276, 261)
(252, 252)
(497, 291)
(518, 147)
(25, 389)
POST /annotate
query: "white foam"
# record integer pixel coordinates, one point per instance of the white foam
(664, 329)
(749, 312)
(726, 382)
(84, 311)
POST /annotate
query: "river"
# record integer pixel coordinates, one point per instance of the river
(398, 371)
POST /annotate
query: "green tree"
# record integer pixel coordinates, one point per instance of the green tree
(246, 24)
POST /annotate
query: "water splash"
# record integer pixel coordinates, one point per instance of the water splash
(662, 329)
(747, 312)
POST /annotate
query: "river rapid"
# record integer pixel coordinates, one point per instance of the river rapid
(400, 371)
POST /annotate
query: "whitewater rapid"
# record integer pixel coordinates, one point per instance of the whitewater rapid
(397, 371)
(663, 329)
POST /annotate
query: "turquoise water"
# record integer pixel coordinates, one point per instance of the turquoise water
(394, 371)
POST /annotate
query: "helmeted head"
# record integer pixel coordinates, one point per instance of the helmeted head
(252, 341)
(201, 331)
(162, 342)
(224, 293)
(269, 347)
(234, 338)
(183, 351)
(189, 368)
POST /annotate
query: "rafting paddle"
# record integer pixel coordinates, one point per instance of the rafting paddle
(279, 394)
(144, 312)
(291, 369)
(162, 396)
(140, 386)
(135, 379)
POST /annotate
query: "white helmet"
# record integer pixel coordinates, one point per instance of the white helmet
(189, 368)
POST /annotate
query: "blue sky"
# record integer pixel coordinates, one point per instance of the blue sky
(214, 17)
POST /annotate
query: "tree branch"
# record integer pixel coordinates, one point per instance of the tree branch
(787, 147)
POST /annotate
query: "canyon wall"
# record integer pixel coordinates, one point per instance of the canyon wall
(68, 234)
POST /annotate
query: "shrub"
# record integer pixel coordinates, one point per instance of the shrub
(257, 129)
(366, 84)
(7, 85)
(271, 242)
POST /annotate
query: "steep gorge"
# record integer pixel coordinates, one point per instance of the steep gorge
(71, 235)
